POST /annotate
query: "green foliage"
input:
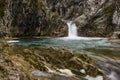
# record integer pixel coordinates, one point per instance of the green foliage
(2, 7)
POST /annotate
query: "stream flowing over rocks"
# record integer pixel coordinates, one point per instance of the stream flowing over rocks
(44, 63)
(59, 39)
(28, 62)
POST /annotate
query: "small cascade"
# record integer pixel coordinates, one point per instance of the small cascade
(72, 30)
(72, 33)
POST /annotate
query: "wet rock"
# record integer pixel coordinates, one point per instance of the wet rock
(116, 35)
(1, 60)
(44, 63)
(50, 76)
(115, 38)
(110, 68)
(40, 74)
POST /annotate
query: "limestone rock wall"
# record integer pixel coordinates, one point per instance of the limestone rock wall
(48, 17)
(99, 19)
(94, 17)
(30, 18)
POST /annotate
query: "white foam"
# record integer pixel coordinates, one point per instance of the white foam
(72, 29)
(112, 76)
(12, 41)
(82, 38)
(66, 71)
(94, 78)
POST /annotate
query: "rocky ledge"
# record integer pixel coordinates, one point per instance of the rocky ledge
(115, 38)
(41, 63)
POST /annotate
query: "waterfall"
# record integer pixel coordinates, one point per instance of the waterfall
(72, 30)
(72, 33)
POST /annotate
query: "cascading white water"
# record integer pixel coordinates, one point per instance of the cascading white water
(72, 33)
(72, 30)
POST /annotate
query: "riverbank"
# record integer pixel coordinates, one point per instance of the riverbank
(44, 63)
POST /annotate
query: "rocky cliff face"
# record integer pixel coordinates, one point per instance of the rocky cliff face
(67, 9)
(30, 18)
(99, 18)
(48, 17)
(94, 17)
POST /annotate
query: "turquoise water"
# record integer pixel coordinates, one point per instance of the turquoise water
(78, 43)
(97, 46)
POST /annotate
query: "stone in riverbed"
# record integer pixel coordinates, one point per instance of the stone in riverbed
(24, 60)
(94, 78)
(50, 76)
(115, 38)
(116, 35)
(40, 74)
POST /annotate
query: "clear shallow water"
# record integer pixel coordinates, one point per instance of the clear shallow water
(74, 44)
(96, 46)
